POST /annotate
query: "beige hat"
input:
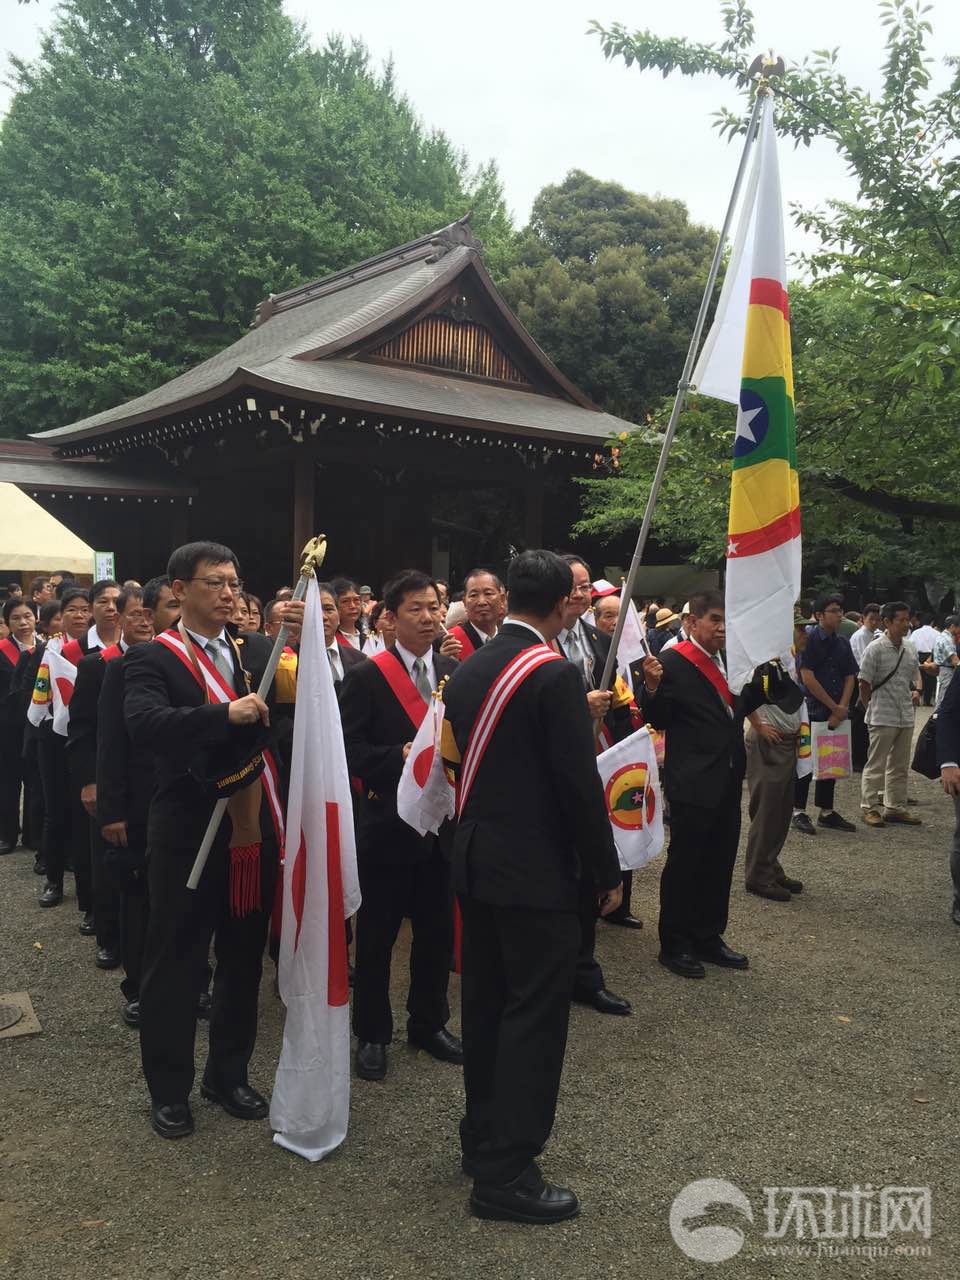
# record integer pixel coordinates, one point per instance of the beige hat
(666, 616)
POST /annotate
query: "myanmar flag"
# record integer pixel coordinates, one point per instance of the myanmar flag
(746, 359)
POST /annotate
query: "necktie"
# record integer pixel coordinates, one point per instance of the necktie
(335, 664)
(221, 659)
(575, 653)
(422, 680)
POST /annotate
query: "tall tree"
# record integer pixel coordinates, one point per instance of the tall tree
(166, 163)
(608, 282)
(876, 333)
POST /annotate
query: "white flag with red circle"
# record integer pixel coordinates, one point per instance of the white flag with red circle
(311, 1094)
(425, 794)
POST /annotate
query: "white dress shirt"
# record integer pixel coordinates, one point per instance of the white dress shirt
(203, 642)
(336, 662)
(860, 639)
(515, 622)
(426, 658)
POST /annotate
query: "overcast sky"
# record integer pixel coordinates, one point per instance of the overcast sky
(519, 81)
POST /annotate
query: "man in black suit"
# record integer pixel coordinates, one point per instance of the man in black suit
(124, 788)
(82, 735)
(587, 647)
(342, 657)
(948, 758)
(402, 873)
(685, 693)
(482, 592)
(532, 830)
(194, 739)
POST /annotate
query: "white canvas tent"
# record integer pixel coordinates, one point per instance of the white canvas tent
(33, 541)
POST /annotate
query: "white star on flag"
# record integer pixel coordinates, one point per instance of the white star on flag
(743, 423)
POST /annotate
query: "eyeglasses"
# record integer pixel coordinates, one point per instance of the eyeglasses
(578, 589)
(218, 584)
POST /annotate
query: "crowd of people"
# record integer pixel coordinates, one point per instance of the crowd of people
(161, 718)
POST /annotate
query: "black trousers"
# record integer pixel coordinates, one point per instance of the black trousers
(126, 870)
(11, 776)
(859, 739)
(106, 894)
(32, 798)
(624, 907)
(518, 969)
(389, 892)
(181, 924)
(822, 792)
(588, 978)
(696, 878)
(65, 823)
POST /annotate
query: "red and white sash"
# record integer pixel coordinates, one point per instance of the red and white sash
(112, 651)
(217, 690)
(401, 686)
(463, 636)
(695, 655)
(494, 704)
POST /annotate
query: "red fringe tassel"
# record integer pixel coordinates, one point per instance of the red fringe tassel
(245, 879)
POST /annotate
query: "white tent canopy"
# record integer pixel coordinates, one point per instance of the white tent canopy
(33, 541)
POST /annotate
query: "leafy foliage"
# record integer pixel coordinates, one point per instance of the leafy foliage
(166, 164)
(607, 281)
(876, 328)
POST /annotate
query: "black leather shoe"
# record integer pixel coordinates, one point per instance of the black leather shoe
(724, 956)
(370, 1060)
(39, 866)
(107, 958)
(86, 925)
(131, 1013)
(7, 847)
(239, 1100)
(792, 886)
(604, 1001)
(440, 1045)
(834, 822)
(625, 922)
(682, 963)
(52, 894)
(172, 1120)
(775, 892)
(529, 1198)
(204, 1004)
(801, 822)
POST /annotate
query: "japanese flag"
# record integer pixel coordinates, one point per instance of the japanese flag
(425, 796)
(311, 1093)
(53, 689)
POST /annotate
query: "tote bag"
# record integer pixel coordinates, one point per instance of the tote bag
(832, 750)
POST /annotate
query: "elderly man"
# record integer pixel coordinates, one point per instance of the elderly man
(889, 689)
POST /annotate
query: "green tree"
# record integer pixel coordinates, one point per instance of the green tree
(167, 163)
(877, 327)
(608, 282)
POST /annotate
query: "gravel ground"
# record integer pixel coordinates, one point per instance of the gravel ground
(831, 1062)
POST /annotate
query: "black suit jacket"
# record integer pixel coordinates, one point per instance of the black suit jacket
(126, 775)
(375, 730)
(350, 658)
(535, 819)
(704, 745)
(617, 719)
(82, 726)
(166, 715)
(948, 725)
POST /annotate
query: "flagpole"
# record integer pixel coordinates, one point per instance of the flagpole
(683, 386)
(313, 554)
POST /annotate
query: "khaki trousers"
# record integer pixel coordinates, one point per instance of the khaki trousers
(884, 782)
(771, 774)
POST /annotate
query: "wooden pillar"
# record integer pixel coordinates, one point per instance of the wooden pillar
(533, 507)
(304, 497)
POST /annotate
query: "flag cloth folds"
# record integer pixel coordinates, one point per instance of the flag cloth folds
(53, 689)
(311, 1094)
(425, 795)
(763, 533)
(631, 788)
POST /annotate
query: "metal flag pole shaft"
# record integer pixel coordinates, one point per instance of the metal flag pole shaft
(683, 387)
(313, 554)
